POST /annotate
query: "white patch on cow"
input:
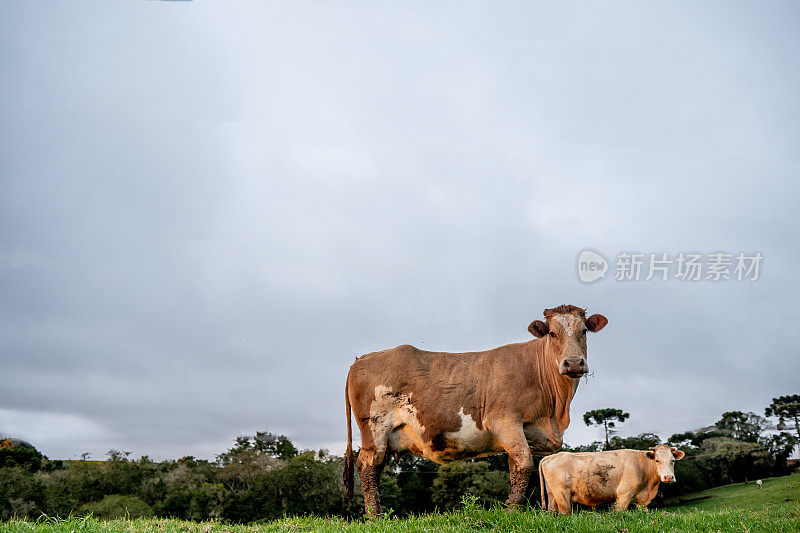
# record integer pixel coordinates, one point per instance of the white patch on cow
(567, 322)
(394, 423)
(469, 437)
(389, 411)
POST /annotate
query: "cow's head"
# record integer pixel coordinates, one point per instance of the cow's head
(564, 330)
(665, 457)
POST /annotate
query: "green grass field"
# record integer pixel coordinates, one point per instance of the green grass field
(776, 490)
(737, 507)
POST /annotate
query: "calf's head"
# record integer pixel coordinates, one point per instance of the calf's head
(564, 330)
(665, 457)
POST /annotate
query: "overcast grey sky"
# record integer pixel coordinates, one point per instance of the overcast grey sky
(208, 209)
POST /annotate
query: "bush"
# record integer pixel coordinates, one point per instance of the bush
(22, 493)
(29, 458)
(469, 478)
(118, 506)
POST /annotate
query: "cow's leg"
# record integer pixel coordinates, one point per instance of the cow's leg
(552, 496)
(520, 462)
(561, 502)
(370, 462)
(623, 501)
(644, 498)
(369, 470)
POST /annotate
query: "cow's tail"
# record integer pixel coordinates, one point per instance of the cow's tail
(543, 485)
(348, 454)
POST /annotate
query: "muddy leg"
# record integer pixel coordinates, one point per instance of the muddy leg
(369, 470)
(520, 462)
(371, 458)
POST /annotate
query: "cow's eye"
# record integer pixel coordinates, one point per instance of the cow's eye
(552, 334)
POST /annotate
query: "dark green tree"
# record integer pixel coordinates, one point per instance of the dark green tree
(468, 477)
(274, 445)
(415, 476)
(694, 439)
(22, 493)
(742, 426)
(594, 446)
(780, 447)
(683, 440)
(15, 452)
(642, 441)
(786, 408)
(608, 418)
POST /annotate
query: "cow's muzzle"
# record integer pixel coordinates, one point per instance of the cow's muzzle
(668, 478)
(573, 367)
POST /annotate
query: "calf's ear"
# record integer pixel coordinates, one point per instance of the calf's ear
(596, 322)
(677, 454)
(538, 328)
(651, 454)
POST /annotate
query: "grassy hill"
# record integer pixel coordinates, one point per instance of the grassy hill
(736, 507)
(776, 490)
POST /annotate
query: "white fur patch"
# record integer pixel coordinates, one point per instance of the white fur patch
(568, 322)
(389, 411)
(469, 437)
(394, 421)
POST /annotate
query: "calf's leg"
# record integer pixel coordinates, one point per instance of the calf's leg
(561, 501)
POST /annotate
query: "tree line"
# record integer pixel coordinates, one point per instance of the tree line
(265, 476)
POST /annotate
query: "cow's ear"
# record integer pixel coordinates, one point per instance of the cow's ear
(538, 328)
(596, 323)
(651, 454)
(677, 454)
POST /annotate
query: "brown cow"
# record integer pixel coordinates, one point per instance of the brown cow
(595, 478)
(452, 406)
